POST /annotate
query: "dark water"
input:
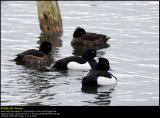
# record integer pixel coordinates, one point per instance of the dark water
(133, 54)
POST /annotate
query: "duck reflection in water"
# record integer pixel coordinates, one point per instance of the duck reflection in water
(103, 94)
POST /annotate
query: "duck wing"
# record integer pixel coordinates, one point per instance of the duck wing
(104, 74)
(32, 52)
(94, 36)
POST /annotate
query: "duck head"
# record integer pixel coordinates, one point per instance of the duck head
(45, 47)
(79, 32)
(89, 54)
(103, 64)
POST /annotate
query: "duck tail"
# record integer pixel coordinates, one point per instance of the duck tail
(12, 59)
(107, 38)
(114, 77)
(18, 58)
(15, 59)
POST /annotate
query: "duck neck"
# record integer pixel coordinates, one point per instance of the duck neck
(47, 53)
(92, 63)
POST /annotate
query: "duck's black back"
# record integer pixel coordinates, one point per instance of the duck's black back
(62, 63)
(91, 78)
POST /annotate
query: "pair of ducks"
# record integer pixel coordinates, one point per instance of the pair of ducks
(98, 74)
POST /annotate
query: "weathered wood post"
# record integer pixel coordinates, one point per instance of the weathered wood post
(49, 17)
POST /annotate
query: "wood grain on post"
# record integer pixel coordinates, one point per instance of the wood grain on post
(49, 17)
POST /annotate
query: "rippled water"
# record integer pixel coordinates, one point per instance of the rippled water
(133, 54)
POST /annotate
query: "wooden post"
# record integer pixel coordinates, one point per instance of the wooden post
(49, 17)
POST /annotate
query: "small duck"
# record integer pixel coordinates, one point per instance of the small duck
(84, 62)
(41, 57)
(100, 75)
(83, 38)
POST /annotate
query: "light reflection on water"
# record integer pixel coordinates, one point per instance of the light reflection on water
(133, 54)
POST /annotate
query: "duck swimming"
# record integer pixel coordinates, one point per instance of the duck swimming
(100, 75)
(36, 57)
(83, 38)
(84, 62)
